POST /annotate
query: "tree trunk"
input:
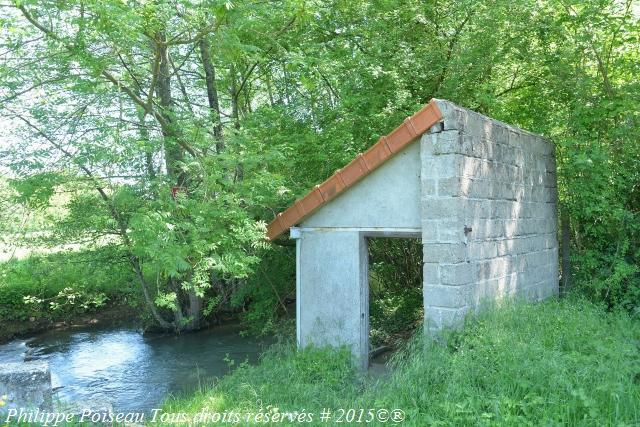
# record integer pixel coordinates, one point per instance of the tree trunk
(148, 151)
(239, 172)
(234, 97)
(269, 89)
(212, 92)
(147, 296)
(194, 310)
(174, 156)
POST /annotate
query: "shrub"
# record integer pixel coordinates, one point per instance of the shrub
(395, 283)
(63, 284)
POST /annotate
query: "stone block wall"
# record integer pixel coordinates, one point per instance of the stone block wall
(26, 385)
(488, 210)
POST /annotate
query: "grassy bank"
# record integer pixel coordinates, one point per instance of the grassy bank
(42, 291)
(554, 363)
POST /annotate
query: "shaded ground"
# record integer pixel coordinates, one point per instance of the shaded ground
(378, 365)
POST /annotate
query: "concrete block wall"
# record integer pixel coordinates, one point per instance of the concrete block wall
(488, 208)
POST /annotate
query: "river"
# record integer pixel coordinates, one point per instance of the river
(131, 371)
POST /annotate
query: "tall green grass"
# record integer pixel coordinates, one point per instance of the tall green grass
(553, 363)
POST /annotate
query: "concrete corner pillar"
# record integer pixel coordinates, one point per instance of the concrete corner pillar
(332, 269)
(448, 276)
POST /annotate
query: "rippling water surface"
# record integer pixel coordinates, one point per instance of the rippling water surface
(130, 371)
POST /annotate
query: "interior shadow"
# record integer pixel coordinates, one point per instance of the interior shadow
(395, 293)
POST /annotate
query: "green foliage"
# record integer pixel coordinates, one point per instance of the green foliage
(292, 91)
(395, 289)
(35, 191)
(74, 300)
(62, 285)
(268, 292)
(553, 363)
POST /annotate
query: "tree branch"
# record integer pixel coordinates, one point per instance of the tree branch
(253, 67)
(111, 78)
(135, 261)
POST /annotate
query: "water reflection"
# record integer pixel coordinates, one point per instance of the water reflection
(130, 371)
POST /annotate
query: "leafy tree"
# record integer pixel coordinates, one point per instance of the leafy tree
(103, 115)
(178, 128)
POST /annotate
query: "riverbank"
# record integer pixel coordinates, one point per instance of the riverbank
(63, 289)
(115, 315)
(553, 363)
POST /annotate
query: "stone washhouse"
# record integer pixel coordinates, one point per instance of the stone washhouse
(481, 196)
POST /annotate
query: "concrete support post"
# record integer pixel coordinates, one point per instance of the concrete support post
(333, 288)
(295, 234)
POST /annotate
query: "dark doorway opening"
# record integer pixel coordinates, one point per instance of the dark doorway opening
(396, 307)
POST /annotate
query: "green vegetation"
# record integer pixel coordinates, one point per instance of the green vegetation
(395, 290)
(174, 130)
(42, 289)
(45, 279)
(157, 139)
(57, 285)
(553, 363)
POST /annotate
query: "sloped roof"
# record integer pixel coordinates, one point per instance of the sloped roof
(364, 163)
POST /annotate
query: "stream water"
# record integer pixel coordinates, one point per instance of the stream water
(128, 370)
